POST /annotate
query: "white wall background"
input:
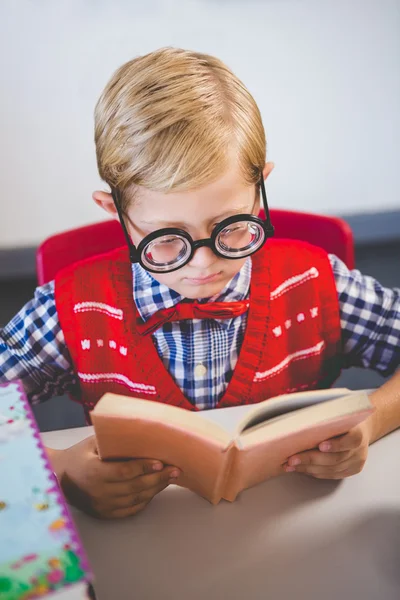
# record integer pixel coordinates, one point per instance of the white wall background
(326, 74)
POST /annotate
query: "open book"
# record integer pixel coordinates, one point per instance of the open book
(220, 460)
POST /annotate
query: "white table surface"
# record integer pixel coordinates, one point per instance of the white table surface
(291, 537)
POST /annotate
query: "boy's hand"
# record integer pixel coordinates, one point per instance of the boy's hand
(335, 458)
(109, 490)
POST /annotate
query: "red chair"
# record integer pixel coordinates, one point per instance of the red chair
(58, 251)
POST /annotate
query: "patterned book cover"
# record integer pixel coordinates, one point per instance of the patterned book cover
(40, 552)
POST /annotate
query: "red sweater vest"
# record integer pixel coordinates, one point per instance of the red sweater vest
(292, 340)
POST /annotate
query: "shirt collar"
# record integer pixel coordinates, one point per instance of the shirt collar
(150, 295)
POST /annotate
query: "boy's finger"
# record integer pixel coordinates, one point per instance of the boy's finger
(349, 441)
(138, 498)
(147, 482)
(143, 482)
(348, 467)
(134, 498)
(117, 471)
(315, 457)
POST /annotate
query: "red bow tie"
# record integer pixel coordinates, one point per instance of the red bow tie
(192, 310)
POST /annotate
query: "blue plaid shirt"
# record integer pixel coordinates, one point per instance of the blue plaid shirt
(201, 354)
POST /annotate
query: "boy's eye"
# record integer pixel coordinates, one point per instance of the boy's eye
(167, 241)
(229, 230)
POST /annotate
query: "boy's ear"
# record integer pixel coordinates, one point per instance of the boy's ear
(105, 201)
(267, 169)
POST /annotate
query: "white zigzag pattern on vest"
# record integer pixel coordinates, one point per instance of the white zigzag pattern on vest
(293, 282)
(111, 311)
(117, 378)
(299, 355)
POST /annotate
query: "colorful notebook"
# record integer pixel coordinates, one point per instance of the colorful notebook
(40, 553)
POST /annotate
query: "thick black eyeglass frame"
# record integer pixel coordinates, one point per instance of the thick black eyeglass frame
(136, 253)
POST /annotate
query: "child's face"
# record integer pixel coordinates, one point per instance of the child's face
(197, 212)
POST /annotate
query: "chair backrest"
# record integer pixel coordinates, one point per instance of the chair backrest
(58, 251)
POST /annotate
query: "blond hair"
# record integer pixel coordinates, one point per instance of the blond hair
(172, 120)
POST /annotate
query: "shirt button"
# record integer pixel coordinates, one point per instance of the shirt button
(200, 371)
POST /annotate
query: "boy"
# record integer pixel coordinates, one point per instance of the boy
(208, 311)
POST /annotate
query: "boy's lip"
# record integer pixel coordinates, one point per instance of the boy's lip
(202, 280)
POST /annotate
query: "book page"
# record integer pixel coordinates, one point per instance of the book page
(237, 419)
(307, 416)
(75, 592)
(228, 418)
(282, 405)
(126, 407)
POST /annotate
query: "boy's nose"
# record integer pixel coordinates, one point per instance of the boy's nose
(203, 258)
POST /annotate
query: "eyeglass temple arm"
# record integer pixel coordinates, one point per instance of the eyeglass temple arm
(133, 255)
(265, 203)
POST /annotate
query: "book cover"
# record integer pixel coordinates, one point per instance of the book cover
(40, 552)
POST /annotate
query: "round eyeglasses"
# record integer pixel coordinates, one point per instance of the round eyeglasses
(169, 249)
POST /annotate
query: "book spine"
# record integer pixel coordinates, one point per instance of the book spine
(229, 484)
(216, 494)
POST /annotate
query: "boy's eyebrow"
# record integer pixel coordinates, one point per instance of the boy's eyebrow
(232, 212)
